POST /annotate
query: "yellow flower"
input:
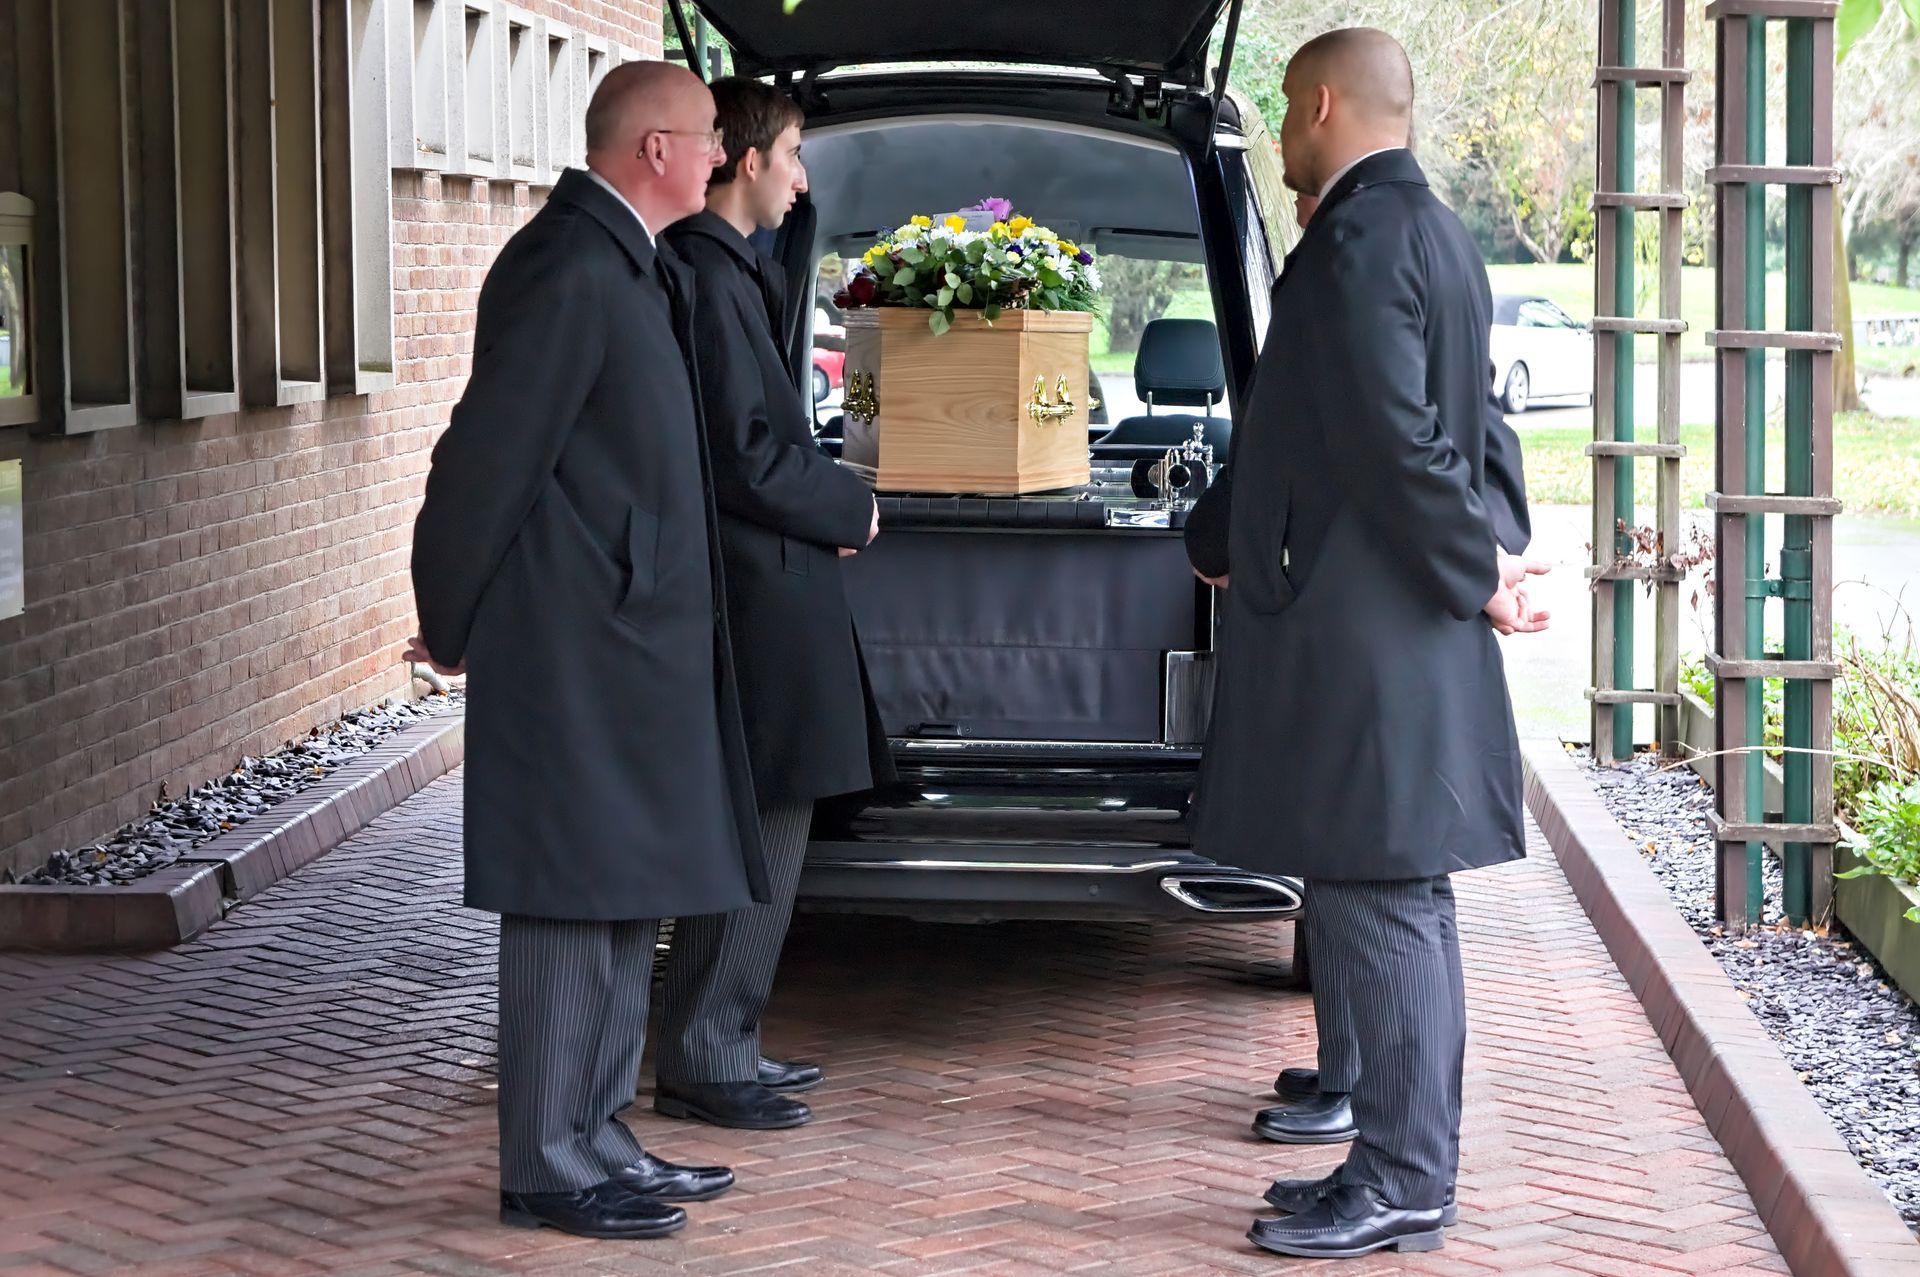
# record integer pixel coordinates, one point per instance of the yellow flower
(956, 223)
(922, 220)
(1068, 247)
(907, 233)
(1019, 225)
(998, 230)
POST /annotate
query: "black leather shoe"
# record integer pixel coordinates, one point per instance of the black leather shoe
(664, 1182)
(605, 1210)
(1298, 1196)
(745, 1106)
(1326, 1119)
(1295, 1085)
(790, 1076)
(1350, 1221)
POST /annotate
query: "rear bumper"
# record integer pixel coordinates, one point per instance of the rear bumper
(1014, 881)
(984, 829)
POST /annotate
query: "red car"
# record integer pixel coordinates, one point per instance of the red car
(829, 348)
(828, 369)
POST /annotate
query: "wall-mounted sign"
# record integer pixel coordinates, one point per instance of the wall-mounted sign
(13, 563)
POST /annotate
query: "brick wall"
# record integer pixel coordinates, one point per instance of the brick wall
(202, 590)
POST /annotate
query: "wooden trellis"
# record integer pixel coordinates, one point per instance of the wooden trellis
(1741, 662)
(1616, 571)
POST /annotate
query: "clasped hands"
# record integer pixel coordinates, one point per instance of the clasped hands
(1510, 609)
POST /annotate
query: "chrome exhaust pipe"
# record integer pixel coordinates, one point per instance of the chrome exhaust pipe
(1232, 892)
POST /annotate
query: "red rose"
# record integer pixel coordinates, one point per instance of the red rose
(862, 290)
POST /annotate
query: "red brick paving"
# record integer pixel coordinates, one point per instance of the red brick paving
(306, 1089)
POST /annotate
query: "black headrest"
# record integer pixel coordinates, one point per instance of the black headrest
(1179, 363)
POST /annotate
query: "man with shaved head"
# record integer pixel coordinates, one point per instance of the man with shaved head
(1363, 738)
(566, 558)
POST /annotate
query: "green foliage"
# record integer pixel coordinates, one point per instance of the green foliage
(1695, 678)
(1876, 718)
(1876, 750)
(1859, 17)
(1887, 837)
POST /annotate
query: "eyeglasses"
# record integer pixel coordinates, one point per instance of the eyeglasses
(716, 138)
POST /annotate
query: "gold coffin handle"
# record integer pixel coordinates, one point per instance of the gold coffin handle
(1044, 413)
(861, 401)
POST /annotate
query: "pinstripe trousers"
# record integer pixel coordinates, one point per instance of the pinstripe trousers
(1339, 1060)
(1390, 953)
(720, 967)
(573, 1024)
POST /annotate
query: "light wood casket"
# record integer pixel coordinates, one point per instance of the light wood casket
(954, 412)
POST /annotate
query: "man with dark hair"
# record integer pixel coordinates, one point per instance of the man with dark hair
(788, 513)
(566, 553)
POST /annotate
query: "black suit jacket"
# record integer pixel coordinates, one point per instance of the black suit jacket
(566, 549)
(1506, 487)
(785, 508)
(1361, 727)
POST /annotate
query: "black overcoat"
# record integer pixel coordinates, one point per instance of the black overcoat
(1361, 725)
(566, 550)
(785, 509)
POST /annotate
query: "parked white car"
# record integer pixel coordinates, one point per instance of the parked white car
(1540, 354)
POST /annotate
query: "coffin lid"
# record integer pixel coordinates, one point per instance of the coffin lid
(1164, 38)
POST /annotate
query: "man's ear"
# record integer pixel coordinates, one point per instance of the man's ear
(1322, 103)
(653, 152)
(752, 164)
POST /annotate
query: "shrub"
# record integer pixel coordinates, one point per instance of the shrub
(1887, 836)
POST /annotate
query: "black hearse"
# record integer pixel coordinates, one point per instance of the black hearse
(1042, 663)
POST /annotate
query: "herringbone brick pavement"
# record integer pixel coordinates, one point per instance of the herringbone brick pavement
(307, 1089)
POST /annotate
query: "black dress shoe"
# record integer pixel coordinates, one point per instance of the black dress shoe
(664, 1182)
(1298, 1196)
(1348, 1222)
(789, 1075)
(1326, 1119)
(605, 1210)
(746, 1106)
(1295, 1085)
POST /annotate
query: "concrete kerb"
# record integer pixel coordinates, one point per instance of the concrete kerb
(1826, 1215)
(184, 899)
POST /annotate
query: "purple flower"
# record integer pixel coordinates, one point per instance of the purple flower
(1015, 248)
(1083, 257)
(1001, 209)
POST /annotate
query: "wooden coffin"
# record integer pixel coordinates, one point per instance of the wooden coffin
(998, 408)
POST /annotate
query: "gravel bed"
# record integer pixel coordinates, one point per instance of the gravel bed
(175, 826)
(1850, 1033)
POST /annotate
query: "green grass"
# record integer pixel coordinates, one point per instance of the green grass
(1188, 303)
(1570, 287)
(1876, 465)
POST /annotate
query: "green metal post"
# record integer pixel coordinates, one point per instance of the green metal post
(1623, 388)
(1796, 552)
(1756, 467)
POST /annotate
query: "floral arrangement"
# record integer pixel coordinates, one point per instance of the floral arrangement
(983, 258)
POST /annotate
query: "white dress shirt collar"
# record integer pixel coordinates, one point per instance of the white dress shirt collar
(613, 191)
(1332, 181)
